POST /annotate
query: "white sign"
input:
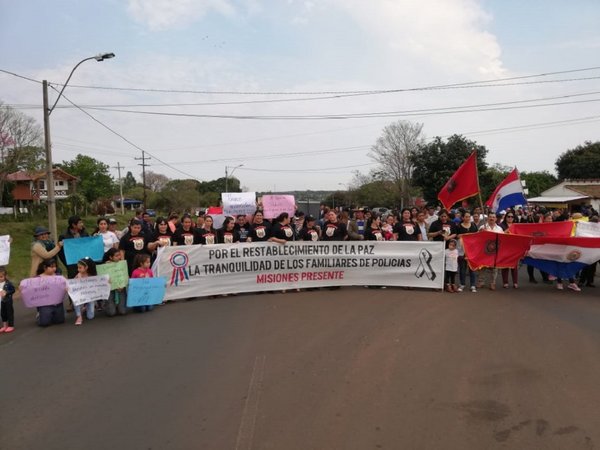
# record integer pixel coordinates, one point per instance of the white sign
(198, 271)
(235, 203)
(587, 229)
(88, 289)
(273, 205)
(4, 250)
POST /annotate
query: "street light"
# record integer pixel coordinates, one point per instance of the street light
(47, 143)
(229, 174)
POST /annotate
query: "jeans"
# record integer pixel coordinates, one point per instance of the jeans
(116, 303)
(89, 310)
(463, 266)
(51, 314)
(7, 312)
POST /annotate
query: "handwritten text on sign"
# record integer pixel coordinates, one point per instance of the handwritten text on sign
(235, 203)
(273, 205)
(117, 273)
(264, 266)
(43, 291)
(146, 291)
(88, 289)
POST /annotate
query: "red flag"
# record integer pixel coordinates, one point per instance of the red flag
(550, 229)
(463, 184)
(489, 249)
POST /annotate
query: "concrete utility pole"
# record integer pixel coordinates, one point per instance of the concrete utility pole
(50, 197)
(144, 165)
(119, 167)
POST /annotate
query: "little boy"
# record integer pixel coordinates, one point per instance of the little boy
(7, 312)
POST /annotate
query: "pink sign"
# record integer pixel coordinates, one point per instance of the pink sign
(43, 291)
(273, 205)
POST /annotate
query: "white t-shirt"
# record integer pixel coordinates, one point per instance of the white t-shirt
(495, 228)
(109, 239)
(452, 260)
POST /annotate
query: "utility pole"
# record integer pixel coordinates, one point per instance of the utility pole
(144, 165)
(50, 200)
(119, 167)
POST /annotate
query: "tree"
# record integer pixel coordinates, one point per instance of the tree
(20, 144)
(580, 163)
(94, 178)
(218, 185)
(177, 195)
(129, 182)
(155, 181)
(394, 150)
(436, 162)
(538, 182)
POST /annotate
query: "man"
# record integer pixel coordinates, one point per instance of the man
(491, 273)
(243, 227)
(148, 225)
(356, 227)
(200, 220)
(431, 216)
(422, 225)
(112, 226)
(75, 230)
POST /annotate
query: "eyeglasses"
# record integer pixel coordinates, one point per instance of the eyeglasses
(510, 217)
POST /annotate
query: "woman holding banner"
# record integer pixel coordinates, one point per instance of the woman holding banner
(186, 234)
(405, 229)
(281, 231)
(109, 239)
(42, 249)
(310, 231)
(50, 314)
(208, 234)
(227, 234)
(261, 229)
(373, 231)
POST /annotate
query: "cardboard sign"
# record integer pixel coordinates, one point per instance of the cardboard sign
(117, 273)
(235, 203)
(88, 289)
(146, 291)
(43, 291)
(4, 250)
(273, 205)
(78, 248)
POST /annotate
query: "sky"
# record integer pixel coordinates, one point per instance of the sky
(289, 94)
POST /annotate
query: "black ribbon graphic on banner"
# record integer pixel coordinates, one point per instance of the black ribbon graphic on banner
(425, 268)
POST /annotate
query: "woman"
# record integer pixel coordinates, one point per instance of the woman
(373, 231)
(281, 231)
(208, 234)
(133, 243)
(442, 230)
(388, 228)
(109, 238)
(186, 234)
(466, 226)
(414, 211)
(173, 221)
(509, 219)
(42, 249)
(406, 229)
(161, 235)
(310, 231)
(514, 271)
(260, 230)
(227, 234)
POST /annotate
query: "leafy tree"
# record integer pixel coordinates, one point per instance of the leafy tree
(538, 182)
(20, 144)
(178, 195)
(580, 163)
(155, 181)
(218, 185)
(436, 162)
(393, 151)
(129, 182)
(94, 178)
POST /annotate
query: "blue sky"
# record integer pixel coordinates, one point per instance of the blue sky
(291, 46)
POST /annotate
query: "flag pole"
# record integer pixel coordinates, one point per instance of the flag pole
(478, 185)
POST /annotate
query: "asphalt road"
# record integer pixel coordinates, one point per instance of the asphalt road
(348, 369)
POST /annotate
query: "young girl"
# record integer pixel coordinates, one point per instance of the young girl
(7, 311)
(49, 314)
(142, 270)
(117, 299)
(86, 267)
(451, 266)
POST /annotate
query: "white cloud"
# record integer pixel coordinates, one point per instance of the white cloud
(159, 15)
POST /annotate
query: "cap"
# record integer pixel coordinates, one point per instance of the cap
(40, 230)
(111, 220)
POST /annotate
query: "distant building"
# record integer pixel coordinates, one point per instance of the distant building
(571, 194)
(128, 203)
(32, 188)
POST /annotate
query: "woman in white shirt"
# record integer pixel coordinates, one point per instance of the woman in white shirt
(109, 238)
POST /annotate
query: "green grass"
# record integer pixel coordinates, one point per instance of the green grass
(22, 237)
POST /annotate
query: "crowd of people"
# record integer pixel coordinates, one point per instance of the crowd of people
(139, 242)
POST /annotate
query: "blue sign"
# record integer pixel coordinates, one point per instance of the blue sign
(146, 291)
(78, 248)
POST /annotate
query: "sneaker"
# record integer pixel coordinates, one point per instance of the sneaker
(460, 288)
(560, 286)
(571, 286)
(473, 289)
(9, 329)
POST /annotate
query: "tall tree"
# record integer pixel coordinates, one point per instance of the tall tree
(538, 182)
(394, 150)
(155, 181)
(94, 177)
(178, 195)
(20, 144)
(580, 163)
(129, 182)
(436, 162)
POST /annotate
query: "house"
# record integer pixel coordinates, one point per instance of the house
(31, 187)
(571, 194)
(128, 203)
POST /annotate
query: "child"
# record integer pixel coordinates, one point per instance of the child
(6, 303)
(86, 267)
(117, 300)
(142, 270)
(49, 314)
(451, 266)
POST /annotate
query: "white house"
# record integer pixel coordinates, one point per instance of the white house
(571, 194)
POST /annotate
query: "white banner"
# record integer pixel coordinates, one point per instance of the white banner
(587, 229)
(235, 203)
(4, 250)
(88, 289)
(202, 270)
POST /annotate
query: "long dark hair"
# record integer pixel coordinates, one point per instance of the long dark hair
(90, 266)
(282, 216)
